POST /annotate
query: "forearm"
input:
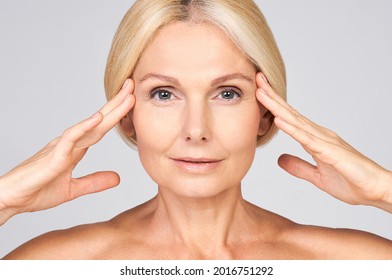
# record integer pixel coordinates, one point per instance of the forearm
(5, 215)
(5, 212)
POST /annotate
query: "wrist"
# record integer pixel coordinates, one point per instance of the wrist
(2, 186)
(385, 202)
(388, 187)
(5, 212)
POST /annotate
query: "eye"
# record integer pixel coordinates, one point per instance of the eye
(161, 94)
(229, 94)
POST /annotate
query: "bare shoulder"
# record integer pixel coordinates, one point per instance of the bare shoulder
(74, 243)
(90, 241)
(295, 241)
(330, 243)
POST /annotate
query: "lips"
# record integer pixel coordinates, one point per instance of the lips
(197, 164)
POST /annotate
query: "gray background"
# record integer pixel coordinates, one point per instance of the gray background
(52, 60)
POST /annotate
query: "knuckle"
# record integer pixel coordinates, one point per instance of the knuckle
(309, 138)
(304, 137)
(328, 154)
(302, 120)
(331, 133)
(303, 123)
(67, 133)
(53, 142)
(298, 117)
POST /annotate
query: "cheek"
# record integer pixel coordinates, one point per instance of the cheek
(149, 124)
(233, 131)
(235, 127)
(238, 127)
(154, 128)
(238, 136)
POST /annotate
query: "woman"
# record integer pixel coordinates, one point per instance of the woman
(196, 123)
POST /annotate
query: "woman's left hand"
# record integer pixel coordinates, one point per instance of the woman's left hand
(339, 169)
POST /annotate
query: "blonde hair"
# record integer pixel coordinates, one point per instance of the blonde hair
(242, 21)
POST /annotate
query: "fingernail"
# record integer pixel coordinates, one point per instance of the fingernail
(125, 84)
(95, 115)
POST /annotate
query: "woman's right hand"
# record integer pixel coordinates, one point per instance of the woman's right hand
(45, 180)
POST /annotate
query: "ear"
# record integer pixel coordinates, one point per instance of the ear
(126, 126)
(266, 120)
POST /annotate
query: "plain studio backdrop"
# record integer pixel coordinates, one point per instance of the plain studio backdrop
(52, 61)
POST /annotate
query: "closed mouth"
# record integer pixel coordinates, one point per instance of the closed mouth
(197, 160)
(196, 164)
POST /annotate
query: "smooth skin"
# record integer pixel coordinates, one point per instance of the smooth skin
(204, 217)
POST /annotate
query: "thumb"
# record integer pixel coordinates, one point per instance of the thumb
(92, 183)
(299, 168)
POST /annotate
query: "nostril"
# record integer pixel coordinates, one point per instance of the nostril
(203, 139)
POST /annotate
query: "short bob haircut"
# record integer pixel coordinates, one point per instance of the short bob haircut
(241, 21)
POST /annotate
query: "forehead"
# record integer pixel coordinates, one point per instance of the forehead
(189, 48)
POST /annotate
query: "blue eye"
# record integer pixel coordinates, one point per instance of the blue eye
(161, 94)
(229, 94)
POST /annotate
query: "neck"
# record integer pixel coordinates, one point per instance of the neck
(205, 224)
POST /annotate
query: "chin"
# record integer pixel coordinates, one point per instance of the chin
(197, 187)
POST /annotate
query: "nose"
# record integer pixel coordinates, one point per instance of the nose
(196, 122)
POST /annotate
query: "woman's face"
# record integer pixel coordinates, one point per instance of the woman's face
(196, 116)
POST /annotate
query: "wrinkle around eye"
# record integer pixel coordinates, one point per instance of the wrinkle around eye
(236, 95)
(163, 96)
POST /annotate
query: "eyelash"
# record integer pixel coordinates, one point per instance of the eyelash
(153, 94)
(234, 90)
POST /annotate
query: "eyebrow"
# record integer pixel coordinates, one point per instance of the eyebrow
(217, 81)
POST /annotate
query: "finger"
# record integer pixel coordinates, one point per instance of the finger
(93, 183)
(279, 108)
(80, 133)
(263, 84)
(127, 89)
(299, 168)
(118, 113)
(66, 142)
(110, 120)
(311, 143)
(322, 151)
